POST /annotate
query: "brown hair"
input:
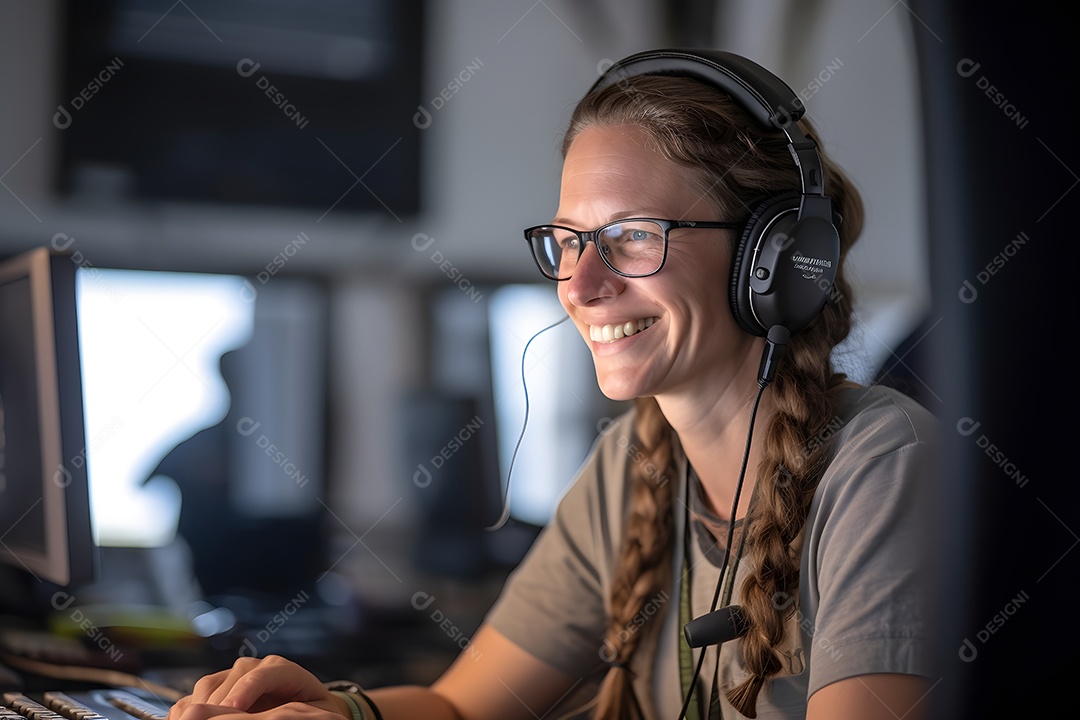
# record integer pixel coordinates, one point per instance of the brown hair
(732, 163)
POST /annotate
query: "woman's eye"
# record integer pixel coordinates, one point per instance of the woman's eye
(639, 235)
(567, 242)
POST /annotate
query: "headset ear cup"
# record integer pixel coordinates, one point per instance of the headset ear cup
(750, 240)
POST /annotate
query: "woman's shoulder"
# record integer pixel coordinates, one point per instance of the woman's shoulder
(883, 463)
(881, 419)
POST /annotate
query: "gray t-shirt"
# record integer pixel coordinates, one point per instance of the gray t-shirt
(866, 580)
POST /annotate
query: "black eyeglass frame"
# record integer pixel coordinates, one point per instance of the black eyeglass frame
(587, 236)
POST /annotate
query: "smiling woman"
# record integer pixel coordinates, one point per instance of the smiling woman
(716, 273)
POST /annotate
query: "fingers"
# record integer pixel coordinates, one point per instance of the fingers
(253, 684)
(178, 708)
(259, 684)
(222, 693)
(207, 685)
(201, 711)
(288, 711)
(200, 694)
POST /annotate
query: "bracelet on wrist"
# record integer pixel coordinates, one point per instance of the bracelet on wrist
(354, 704)
(362, 707)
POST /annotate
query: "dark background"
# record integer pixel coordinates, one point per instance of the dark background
(1001, 359)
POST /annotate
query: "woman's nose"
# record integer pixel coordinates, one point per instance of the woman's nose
(593, 281)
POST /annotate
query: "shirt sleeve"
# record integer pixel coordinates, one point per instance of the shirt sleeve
(868, 551)
(554, 603)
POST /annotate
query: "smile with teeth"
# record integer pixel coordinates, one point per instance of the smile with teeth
(611, 333)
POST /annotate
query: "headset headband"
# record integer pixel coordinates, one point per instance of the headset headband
(769, 101)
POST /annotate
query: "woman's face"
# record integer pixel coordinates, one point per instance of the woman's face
(692, 342)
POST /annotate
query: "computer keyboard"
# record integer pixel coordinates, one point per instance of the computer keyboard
(105, 704)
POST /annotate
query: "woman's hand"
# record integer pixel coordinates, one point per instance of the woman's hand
(253, 685)
(288, 711)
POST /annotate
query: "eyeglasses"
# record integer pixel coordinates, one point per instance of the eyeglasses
(634, 247)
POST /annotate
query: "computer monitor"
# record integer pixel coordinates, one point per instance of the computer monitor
(186, 105)
(44, 502)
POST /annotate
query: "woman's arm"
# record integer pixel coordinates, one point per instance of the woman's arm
(884, 696)
(491, 678)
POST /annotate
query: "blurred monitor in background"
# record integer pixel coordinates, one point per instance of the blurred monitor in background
(205, 406)
(556, 380)
(171, 102)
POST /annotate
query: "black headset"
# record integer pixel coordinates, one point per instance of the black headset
(785, 261)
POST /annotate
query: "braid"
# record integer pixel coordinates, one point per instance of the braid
(644, 565)
(788, 475)
(795, 453)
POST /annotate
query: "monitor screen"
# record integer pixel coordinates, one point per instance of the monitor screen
(151, 346)
(44, 513)
(204, 400)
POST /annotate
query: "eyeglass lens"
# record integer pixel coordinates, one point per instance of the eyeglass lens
(630, 248)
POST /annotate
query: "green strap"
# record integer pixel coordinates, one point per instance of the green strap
(686, 655)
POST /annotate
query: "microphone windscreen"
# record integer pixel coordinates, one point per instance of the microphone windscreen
(717, 627)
